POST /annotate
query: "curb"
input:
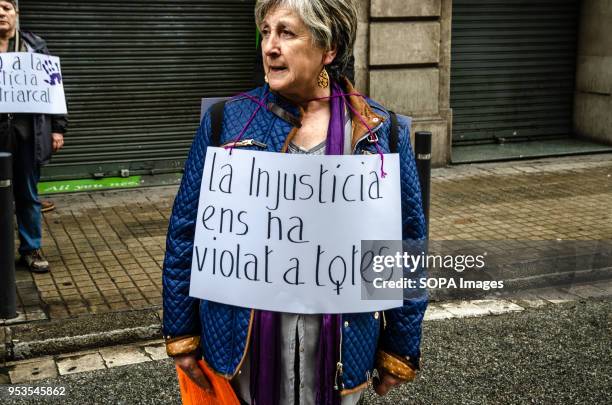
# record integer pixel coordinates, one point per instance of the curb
(54, 338)
(35, 360)
(53, 365)
(37, 339)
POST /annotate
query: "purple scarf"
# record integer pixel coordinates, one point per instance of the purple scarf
(265, 355)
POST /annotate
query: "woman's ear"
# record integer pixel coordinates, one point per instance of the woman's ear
(329, 56)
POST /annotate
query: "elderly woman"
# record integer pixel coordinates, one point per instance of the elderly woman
(307, 107)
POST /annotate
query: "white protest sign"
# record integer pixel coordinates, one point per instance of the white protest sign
(31, 83)
(283, 232)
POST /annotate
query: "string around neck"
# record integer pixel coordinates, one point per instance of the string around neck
(371, 136)
(260, 103)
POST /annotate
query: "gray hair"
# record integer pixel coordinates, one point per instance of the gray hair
(333, 23)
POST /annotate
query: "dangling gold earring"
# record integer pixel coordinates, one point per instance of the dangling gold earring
(266, 78)
(323, 80)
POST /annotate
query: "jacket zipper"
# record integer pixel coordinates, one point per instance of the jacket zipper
(339, 368)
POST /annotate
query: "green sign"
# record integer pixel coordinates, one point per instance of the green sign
(73, 186)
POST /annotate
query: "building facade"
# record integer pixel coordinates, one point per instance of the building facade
(479, 72)
(469, 71)
(593, 103)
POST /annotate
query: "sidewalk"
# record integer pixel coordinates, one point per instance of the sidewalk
(106, 248)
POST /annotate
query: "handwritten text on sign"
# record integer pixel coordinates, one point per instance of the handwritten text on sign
(282, 232)
(31, 83)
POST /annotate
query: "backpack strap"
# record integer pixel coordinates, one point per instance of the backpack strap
(394, 135)
(216, 122)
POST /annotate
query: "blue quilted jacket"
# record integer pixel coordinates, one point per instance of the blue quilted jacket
(224, 329)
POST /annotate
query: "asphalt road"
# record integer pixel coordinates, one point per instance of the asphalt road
(553, 355)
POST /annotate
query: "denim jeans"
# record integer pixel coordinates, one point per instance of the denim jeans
(26, 173)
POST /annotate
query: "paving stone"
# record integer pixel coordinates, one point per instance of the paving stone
(465, 309)
(496, 307)
(605, 286)
(21, 317)
(36, 315)
(157, 352)
(555, 295)
(589, 291)
(91, 237)
(34, 370)
(122, 356)
(435, 312)
(4, 378)
(79, 364)
(531, 302)
(79, 353)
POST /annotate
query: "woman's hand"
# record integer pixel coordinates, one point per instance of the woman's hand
(189, 364)
(57, 141)
(384, 384)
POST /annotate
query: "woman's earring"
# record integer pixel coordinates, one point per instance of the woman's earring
(323, 81)
(266, 78)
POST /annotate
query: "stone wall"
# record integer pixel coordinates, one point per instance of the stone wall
(593, 101)
(403, 61)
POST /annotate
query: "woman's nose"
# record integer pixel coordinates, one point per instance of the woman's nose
(270, 45)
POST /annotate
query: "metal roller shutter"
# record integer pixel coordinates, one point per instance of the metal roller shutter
(135, 72)
(512, 70)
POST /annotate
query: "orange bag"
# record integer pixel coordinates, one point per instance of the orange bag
(192, 394)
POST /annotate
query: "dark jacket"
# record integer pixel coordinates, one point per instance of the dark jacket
(224, 329)
(44, 125)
